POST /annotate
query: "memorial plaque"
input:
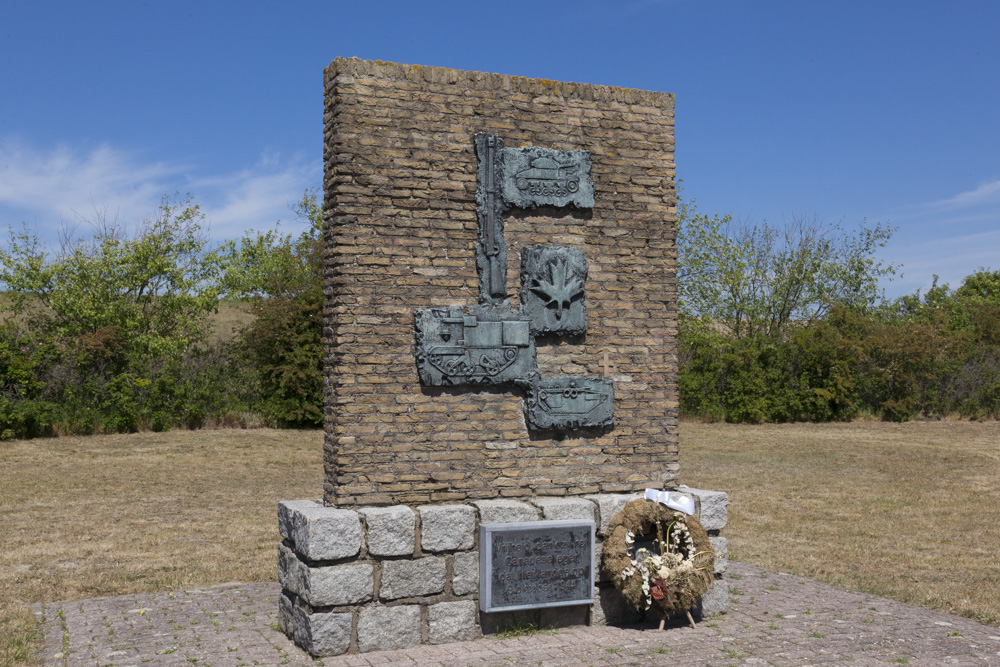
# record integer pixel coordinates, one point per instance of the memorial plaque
(552, 289)
(535, 564)
(565, 403)
(465, 345)
(534, 176)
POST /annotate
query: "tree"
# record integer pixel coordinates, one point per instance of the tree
(151, 289)
(756, 279)
(119, 314)
(282, 277)
(983, 286)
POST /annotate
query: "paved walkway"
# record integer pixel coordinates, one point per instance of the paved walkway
(775, 619)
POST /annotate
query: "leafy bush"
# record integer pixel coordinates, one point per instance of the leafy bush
(738, 380)
(114, 320)
(833, 369)
(282, 278)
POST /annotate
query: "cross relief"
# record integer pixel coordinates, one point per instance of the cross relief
(488, 343)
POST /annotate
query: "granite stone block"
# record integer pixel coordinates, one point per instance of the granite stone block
(465, 573)
(286, 513)
(336, 584)
(556, 509)
(391, 530)
(387, 628)
(288, 569)
(285, 613)
(322, 634)
(609, 504)
(712, 507)
(610, 608)
(721, 547)
(410, 578)
(505, 511)
(447, 527)
(326, 533)
(598, 557)
(715, 601)
(563, 617)
(452, 622)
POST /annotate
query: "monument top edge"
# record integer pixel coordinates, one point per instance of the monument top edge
(489, 80)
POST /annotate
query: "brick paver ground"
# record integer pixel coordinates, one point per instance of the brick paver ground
(774, 619)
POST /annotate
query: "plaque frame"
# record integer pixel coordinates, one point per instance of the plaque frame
(486, 532)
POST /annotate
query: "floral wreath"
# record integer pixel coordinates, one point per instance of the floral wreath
(672, 580)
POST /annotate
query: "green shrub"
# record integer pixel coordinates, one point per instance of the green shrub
(109, 329)
(282, 278)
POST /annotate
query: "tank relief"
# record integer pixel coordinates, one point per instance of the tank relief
(534, 176)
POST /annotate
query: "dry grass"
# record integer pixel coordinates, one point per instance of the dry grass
(232, 316)
(907, 511)
(86, 517)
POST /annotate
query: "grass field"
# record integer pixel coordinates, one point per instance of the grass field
(907, 511)
(86, 517)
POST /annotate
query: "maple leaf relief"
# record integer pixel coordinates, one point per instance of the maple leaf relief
(560, 289)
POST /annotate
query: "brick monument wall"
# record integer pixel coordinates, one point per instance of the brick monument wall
(401, 231)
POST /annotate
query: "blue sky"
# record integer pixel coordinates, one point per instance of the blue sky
(881, 110)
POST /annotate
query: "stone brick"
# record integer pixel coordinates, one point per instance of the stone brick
(453, 622)
(409, 578)
(387, 628)
(715, 601)
(610, 608)
(712, 507)
(326, 533)
(322, 634)
(288, 569)
(390, 530)
(721, 547)
(447, 527)
(465, 573)
(556, 509)
(285, 615)
(505, 511)
(335, 584)
(286, 513)
(563, 617)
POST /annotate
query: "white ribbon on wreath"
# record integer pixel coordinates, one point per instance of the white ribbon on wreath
(674, 501)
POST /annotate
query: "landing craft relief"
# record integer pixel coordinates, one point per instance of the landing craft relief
(563, 402)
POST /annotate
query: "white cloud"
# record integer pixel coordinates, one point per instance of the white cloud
(950, 257)
(60, 186)
(255, 198)
(950, 238)
(985, 194)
